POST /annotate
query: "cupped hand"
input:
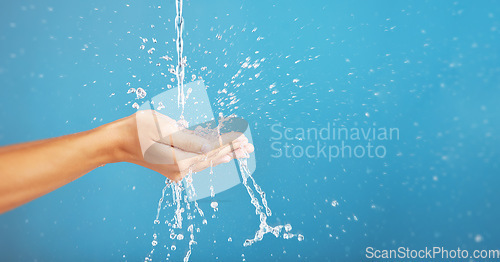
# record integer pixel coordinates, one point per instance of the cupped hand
(158, 142)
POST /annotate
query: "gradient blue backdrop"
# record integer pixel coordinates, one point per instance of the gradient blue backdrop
(429, 68)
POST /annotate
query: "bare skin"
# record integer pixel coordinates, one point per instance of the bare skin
(31, 170)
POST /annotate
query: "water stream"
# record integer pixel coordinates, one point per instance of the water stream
(181, 195)
(181, 61)
(264, 228)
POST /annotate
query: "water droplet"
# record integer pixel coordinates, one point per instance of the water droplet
(212, 192)
(214, 205)
(300, 237)
(160, 106)
(167, 58)
(288, 227)
(173, 247)
(154, 243)
(478, 238)
(140, 93)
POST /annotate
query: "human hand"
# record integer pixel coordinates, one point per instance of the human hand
(157, 142)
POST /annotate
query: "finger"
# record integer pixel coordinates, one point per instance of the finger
(230, 137)
(223, 156)
(175, 163)
(239, 153)
(226, 149)
(214, 145)
(200, 166)
(165, 130)
(206, 164)
(249, 148)
(154, 127)
(242, 152)
(188, 141)
(163, 154)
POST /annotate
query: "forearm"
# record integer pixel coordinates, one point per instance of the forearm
(28, 171)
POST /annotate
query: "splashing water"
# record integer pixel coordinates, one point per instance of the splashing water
(191, 193)
(212, 191)
(167, 183)
(180, 200)
(177, 195)
(182, 204)
(264, 228)
(179, 26)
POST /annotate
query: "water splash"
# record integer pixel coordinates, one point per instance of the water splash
(177, 195)
(212, 190)
(167, 183)
(264, 228)
(191, 193)
(183, 209)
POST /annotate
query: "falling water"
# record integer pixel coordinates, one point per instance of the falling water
(182, 206)
(177, 189)
(167, 183)
(179, 24)
(177, 195)
(191, 193)
(264, 228)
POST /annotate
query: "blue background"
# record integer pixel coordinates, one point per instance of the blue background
(429, 68)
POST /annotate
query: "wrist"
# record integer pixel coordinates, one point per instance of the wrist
(119, 139)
